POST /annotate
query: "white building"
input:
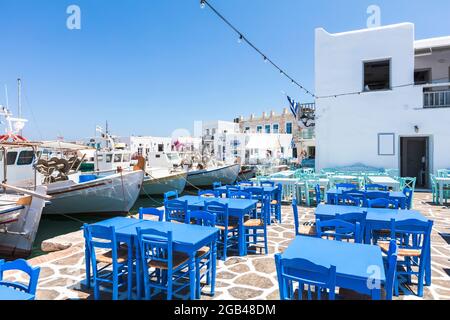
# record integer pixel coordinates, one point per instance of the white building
(143, 145)
(227, 143)
(397, 112)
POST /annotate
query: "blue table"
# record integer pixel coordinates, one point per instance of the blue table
(187, 238)
(8, 293)
(356, 264)
(237, 208)
(376, 219)
(334, 193)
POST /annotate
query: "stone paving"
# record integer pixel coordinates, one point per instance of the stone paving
(250, 277)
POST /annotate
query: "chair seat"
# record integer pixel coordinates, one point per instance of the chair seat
(202, 251)
(254, 223)
(307, 230)
(230, 227)
(401, 252)
(178, 259)
(122, 256)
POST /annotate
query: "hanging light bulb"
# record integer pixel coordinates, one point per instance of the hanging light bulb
(265, 59)
(202, 4)
(241, 37)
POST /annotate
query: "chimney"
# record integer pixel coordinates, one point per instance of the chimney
(252, 116)
(272, 114)
(285, 111)
(264, 115)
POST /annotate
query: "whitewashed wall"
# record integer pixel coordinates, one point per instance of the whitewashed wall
(347, 127)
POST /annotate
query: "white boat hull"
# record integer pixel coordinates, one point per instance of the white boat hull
(161, 185)
(206, 178)
(113, 194)
(19, 225)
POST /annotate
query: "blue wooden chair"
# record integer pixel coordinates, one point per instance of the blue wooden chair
(164, 269)
(256, 228)
(239, 195)
(23, 266)
(176, 210)
(216, 185)
(203, 258)
(303, 272)
(117, 260)
(232, 189)
(275, 204)
(151, 212)
(170, 195)
(339, 230)
(267, 183)
(391, 269)
(375, 187)
(413, 239)
(208, 193)
(409, 197)
(308, 228)
(349, 200)
(383, 203)
(228, 229)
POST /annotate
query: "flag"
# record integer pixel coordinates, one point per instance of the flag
(293, 106)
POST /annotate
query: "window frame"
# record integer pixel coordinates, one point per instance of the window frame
(109, 158)
(278, 128)
(259, 129)
(18, 158)
(364, 62)
(118, 156)
(267, 126)
(8, 163)
(286, 127)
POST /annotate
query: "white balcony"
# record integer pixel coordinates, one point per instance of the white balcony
(437, 97)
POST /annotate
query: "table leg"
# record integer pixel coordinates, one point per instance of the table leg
(441, 193)
(241, 236)
(213, 268)
(138, 273)
(428, 266)
(87, 261)
(130, 269)
(376, 294)
(192, 275)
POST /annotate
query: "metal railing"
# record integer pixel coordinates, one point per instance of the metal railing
(436, 99)
(307, 134)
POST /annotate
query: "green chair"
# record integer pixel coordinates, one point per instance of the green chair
(408, 182)
(434, 188)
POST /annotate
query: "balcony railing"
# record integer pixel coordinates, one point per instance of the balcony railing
(436, 99)
(307, 134)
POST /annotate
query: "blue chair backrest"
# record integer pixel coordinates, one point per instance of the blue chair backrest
(391, 269)
(412, 234)
(383, 203)
(100, 237)
(151, 212)
(176, 210)
(296, 218)
(203, 218)
(346, 186)
(257, 192)
(245, 183)
(170, 195)
(338, 230)
(24, 266)
(220, 210)
(304, 272)
(239, 195)
(217, 185)
(409, 196)
(156, 246)
(208, 193)
(377, 187)
(267, 183)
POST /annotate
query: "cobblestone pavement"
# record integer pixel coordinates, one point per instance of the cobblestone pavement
(250, 277)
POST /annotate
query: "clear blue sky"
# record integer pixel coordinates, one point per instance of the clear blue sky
(152, 66)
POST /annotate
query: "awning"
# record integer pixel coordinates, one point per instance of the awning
(263, 142)
(60, 145)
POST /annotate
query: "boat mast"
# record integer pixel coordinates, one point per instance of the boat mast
(19, 101)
